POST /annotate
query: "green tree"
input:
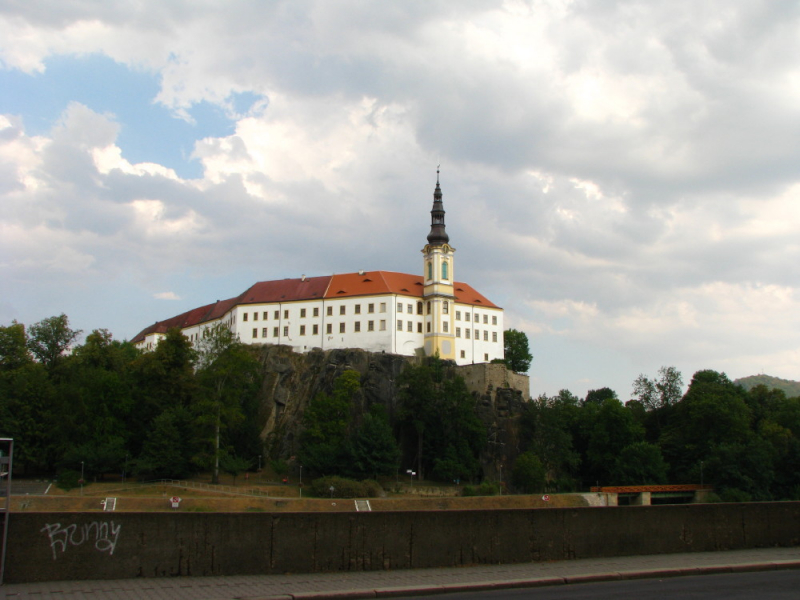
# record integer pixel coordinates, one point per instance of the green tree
(227, 377)
(234, 465)
(600, 396)
(50, 338)
(528, 474)
(375, 451)
(438, 412)
(639, 463)
(517, 353)
(658, 393)
(546, 426)
(167, 451)
(324, 443)
(13, 347)
(613, 427)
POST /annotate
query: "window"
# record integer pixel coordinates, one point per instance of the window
(371, 307)
(485, 319)
(410, 328)
(274, 332)
(302, 313)
(486, 357)
(285, 331)
(444, 326)
(265, 315)
(383, 324)
(370, 325)
(477, 334)
(264, 332)
(428, 326)
(255, 332)
(494, 319)
(277, 315)
(286, 314)
(494, 336)
(302, 329)
(255, 315)
(410, 308)
(466, 316)
(458, 331)
(419, 308)
(330, 311)
(358, 309)
(315, 330)
(244, 317)
(446, 307)
(399, 324)
(428, 306)
(463, 354)
(316, 311)
(458, 315)
(430, 270)
(341, 327)
(444, 270)
(341, 309)
(485, 335)
(466, 333)
(419, 327)
(399, 307)
(329, 328)
(358, 326)
(383, 307)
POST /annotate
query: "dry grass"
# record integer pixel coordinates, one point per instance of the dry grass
(135, 497)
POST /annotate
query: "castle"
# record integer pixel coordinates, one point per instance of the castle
(378, 311)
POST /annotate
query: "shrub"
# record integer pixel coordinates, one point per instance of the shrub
(68, 479)
(344, 488)
(487, 488)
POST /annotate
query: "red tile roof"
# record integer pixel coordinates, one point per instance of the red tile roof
(369, 283)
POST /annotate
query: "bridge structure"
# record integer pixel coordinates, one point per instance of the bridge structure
(645, 495)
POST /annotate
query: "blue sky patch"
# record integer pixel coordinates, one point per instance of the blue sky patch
(148, 131)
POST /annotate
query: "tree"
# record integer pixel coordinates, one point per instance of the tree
(528, 474)
(324, 443)
(517, 354)
(13, 347)
(375, 451)
(439, 413)
(227, 377)
(50, 338)
(167, 453)
(659, 393)
(546, 427)
(233, 465)
(639, 463)
(600, 396)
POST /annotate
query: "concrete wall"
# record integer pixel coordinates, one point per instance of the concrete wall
(54, 546)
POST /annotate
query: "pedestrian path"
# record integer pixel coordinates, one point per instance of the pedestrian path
(375, 584)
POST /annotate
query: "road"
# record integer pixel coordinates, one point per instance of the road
(767, 585)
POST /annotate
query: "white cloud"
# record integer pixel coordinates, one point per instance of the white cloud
(166, 296)
(622, 177)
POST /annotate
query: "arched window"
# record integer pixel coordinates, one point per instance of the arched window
(419, 308)
(445, 307)
(430, 270)
(444, 270)
(429, 307)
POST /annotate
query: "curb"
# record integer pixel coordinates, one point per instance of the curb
(486, 586)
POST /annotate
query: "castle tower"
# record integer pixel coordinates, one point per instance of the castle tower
(438, 301)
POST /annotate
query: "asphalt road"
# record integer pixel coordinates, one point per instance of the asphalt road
(766, 585)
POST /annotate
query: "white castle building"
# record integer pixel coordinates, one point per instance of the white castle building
(378, 311)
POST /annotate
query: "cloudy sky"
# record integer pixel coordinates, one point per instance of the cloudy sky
(622, 177)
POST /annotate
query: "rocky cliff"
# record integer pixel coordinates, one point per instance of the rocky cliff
(292, 379)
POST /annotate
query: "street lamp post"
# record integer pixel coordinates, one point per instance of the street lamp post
(301, 481)
(411, 476)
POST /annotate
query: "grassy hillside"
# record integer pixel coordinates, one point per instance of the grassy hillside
(791, 388)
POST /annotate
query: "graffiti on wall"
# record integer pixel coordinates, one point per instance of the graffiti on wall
(103, 534)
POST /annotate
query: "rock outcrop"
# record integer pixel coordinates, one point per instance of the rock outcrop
(291, 380)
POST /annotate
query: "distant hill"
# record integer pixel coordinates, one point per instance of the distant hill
(791, 388)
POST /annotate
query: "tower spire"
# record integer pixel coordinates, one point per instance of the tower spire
(438, 235)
